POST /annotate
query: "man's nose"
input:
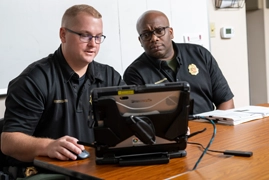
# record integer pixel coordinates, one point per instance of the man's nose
(92, 41)
(154, 37)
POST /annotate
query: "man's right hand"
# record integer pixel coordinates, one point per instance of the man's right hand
(25, 148)
(64, 148)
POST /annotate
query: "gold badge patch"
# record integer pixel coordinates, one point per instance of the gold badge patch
(193, 69)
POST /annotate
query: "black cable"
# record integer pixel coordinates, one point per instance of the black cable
(209, 143)
(199, 144)
(195, 133)
(226, 152)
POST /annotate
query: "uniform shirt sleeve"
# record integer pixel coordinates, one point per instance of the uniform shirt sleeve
(24, 106)
(221, 91)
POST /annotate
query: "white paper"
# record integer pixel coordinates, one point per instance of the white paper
(236, 116)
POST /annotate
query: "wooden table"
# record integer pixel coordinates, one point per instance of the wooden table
(250, 136)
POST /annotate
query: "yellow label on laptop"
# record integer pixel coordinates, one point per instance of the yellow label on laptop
(126, 92)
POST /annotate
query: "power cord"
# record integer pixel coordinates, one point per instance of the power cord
(226, 152)
(199, 144)
(211, 140)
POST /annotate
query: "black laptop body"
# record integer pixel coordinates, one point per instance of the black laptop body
(140, 125)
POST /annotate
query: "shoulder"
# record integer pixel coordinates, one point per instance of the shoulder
(37, 68)
(194, 53)
(139, 63)
(106, 74)
(32, 84)
(37, 76)
(191, 48)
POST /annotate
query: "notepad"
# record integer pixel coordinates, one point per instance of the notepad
(237, 115)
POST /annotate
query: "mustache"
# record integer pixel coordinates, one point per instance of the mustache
(154, 46)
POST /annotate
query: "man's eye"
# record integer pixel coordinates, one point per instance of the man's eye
(158, 31)
(147, 34)
(84, 35)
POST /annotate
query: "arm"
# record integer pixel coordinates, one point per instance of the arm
(222, 94)
(226, 105)
(25, 148)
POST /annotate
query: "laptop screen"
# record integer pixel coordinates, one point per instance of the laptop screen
(140, 119)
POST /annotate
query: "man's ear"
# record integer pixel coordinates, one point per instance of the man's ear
(171, 33)
(140, 41)
(62, 35)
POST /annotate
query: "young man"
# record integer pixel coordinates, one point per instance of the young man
(166, 61)
(48, 104)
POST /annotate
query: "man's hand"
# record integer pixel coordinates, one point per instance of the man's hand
(25, 147)
(64, 148)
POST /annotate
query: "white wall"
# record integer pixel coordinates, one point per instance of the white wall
(231, 54)
(30, 29)
(258, 50)
(257, 59)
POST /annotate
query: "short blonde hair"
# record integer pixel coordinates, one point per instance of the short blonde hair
(76, 9)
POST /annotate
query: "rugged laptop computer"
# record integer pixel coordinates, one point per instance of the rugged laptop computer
(137, 125)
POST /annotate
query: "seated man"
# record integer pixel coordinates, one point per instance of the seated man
(167, 61)
(48, 104)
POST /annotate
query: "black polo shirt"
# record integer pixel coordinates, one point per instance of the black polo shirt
(195, 64)
(44, 100)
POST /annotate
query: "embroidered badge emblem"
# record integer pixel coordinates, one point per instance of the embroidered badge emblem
(193, 70)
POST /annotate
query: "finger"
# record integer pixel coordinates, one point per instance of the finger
(82, 147)
(68, 154)
(73, 147)
(59, 156)
(71, 139)
(74, 141)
